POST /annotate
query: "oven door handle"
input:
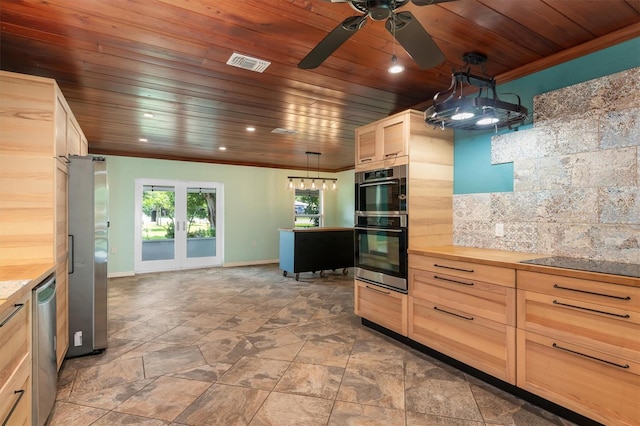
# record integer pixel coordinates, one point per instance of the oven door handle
(398, 231)
(388, 182)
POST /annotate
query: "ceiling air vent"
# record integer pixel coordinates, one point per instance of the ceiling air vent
(247, 62)
(281, 131)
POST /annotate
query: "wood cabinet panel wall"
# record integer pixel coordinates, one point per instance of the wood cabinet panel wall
(39, 133)
(404, 138)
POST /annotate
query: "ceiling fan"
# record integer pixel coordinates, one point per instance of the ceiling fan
(402, 25)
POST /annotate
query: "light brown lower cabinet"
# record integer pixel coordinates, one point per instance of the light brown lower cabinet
(381, 306)
(600, 386)
(486, 345)
(15, 363)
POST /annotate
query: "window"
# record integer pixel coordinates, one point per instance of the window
(307, 208)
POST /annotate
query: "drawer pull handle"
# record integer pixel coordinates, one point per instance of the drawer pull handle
(379, 291)
(590, 357)
(591, 292)
(451, 267)
(451, 281)
(555, 302)
(15, 404)
(18, 306)
(451, 313)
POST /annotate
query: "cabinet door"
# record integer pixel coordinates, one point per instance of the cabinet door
(366, 144)
(15, 363)
(62, 250)
(394, 132)
(61, 120)
(603, 387)
(381, 306)
(74, 140)
(483, 344)
(599, 327)
(84, 146)
(490, 301)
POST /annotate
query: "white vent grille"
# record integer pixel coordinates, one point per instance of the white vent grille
(281, 131)
(247, 62)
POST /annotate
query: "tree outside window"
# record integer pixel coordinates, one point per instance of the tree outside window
(307, 208)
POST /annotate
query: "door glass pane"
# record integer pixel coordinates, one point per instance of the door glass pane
(158, 230)
(201, 222)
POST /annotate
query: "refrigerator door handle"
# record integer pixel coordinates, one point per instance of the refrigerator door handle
(72, 260)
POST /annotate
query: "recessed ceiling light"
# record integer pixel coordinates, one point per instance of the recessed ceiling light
(143, 140)
(148, 115)
(223, 148)
(251, 129)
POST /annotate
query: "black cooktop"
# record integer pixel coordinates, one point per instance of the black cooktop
(600, 266)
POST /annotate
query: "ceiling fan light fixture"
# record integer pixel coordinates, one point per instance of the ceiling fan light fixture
(395, 67)
(451, 108)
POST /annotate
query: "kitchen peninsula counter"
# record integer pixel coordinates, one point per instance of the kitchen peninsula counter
(18, 280)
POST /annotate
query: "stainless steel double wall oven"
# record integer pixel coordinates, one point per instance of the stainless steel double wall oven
(381, 233)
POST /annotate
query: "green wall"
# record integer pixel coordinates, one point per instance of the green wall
(256, 205)
(473, 172)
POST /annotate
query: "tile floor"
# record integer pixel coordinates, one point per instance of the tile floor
(247, 346)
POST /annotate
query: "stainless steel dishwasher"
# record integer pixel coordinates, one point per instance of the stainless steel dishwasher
(45, 371)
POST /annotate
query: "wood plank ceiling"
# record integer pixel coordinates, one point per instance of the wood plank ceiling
(118, 59)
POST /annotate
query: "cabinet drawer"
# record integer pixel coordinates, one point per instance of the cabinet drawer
(486, 345)
(467, 270)
(15, 396)
(598, 327)
(15, 336)
(490, 301)
(382, 306)
(599, 386)
(602, 293)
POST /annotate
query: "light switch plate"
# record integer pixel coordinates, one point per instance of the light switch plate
(499, 230)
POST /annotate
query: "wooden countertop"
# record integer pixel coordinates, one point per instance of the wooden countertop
(17, 280)
(509, 259)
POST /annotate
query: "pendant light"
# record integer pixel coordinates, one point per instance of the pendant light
(317, 183)
(395, 67)
(484, 110)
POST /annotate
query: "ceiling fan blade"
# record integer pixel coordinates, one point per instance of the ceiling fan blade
(428, 2)
(332, 41)
(415, 39)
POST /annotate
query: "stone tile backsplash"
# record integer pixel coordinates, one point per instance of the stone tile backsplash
(576, 177)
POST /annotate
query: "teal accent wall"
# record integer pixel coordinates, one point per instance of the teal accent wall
(256, 205)
(473, 171)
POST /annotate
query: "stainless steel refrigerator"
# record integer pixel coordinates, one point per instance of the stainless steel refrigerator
(88, 249)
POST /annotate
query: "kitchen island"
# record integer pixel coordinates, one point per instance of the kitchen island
(316, 249)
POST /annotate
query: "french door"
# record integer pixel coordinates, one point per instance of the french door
(178, 224)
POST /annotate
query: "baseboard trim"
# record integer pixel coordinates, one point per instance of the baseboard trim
(121, 274)
(250, 263)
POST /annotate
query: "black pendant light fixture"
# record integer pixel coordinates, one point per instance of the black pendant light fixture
(481, 109)
(312, 183)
